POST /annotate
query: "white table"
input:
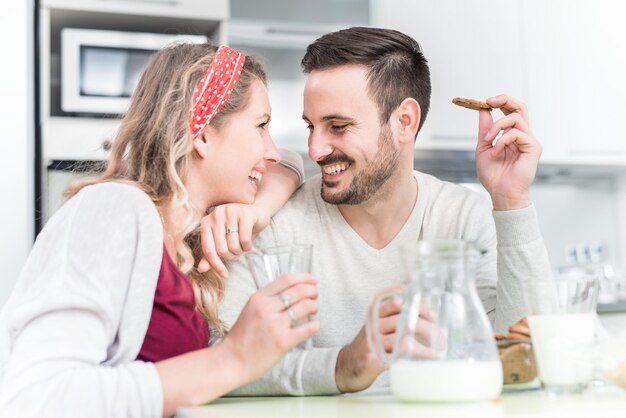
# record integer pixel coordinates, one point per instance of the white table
(607, 402)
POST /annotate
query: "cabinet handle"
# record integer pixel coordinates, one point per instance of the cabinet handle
(598, 153)
(107, 144)
(453, 137)
(171, 2)
(298, 32)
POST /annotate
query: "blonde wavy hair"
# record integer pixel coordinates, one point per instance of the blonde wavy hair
(153, 150)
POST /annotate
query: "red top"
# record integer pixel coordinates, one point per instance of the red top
(176, 326)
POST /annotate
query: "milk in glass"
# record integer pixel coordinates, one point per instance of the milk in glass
(562, 343)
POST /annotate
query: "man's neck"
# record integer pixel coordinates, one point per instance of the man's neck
(380, 219)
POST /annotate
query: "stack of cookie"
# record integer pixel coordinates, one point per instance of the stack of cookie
(516, 354)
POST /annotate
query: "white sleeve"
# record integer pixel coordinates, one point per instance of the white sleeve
(293, 161)
(514, 252)
(522, 257)
(64, 316)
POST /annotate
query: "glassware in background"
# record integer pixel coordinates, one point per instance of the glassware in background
(591, 259)
(609, 358)
(444, 349)
(563, 325)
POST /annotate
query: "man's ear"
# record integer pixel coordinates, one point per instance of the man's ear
(407, 116)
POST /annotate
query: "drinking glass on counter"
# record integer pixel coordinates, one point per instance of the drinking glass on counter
(269, 263)
(563, 326)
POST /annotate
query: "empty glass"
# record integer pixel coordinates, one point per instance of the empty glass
(268, 264)
(444, 349)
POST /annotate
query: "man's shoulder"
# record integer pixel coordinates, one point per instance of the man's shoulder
(306, 198)
(303, 212)
(441, 190)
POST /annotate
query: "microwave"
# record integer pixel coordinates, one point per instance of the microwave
(100, 68)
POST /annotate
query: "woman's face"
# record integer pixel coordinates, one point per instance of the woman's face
(240, 151)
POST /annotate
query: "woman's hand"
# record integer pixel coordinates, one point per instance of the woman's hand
(266, 330)
(227, 232)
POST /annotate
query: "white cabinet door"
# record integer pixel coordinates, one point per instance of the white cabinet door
(474, 50)
(198, 9)
(576, 67)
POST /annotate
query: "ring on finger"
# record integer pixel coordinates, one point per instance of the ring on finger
(286, 299)
(231, 231)
(292, 316)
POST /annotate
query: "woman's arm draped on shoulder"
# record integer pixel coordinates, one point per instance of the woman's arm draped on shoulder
(69, 349)
(219, 242)
(278, 184)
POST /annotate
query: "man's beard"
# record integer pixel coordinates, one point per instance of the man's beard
(366, 183)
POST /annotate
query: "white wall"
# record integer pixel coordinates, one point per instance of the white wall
(16, 138)
(583, 212)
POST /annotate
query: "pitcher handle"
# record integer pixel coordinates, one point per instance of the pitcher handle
(372, 329)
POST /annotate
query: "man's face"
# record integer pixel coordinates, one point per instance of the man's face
(357, 156)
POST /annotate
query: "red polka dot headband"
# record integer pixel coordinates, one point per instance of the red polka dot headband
(215, 87)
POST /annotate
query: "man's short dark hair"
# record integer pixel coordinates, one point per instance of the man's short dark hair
(396, 67)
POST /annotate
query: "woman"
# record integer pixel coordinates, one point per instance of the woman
(111, 316)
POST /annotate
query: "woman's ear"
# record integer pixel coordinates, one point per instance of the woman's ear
(408, 116)
(201, 143)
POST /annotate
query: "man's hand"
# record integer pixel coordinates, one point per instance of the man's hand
(357, 367)
(507, 169)
(518, 331)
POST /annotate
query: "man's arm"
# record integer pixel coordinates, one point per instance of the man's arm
(507, 168)
(522, 257)
(357, 366)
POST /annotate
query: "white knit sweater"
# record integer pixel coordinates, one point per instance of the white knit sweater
(72, 328)
(350, 271)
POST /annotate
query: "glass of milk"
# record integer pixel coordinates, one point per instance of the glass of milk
(563, 325)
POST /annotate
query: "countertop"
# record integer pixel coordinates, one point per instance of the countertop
(607, 402)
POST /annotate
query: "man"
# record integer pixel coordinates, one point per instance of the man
(366, 97)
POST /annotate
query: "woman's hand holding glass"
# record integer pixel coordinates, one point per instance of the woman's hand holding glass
(227, 232)
(264, 331)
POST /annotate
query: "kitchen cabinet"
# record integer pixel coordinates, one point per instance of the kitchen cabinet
(574, 66)
(198, 9)
(563, 58)
(474, 50)
(278, 33)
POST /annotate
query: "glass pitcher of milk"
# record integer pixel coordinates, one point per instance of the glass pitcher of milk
(444, 349)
